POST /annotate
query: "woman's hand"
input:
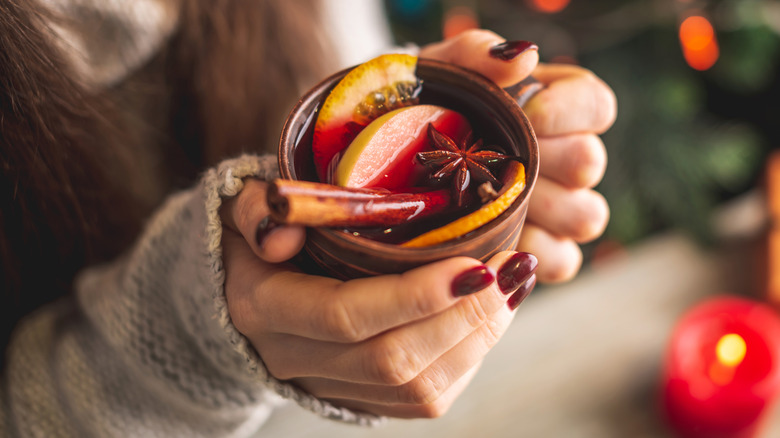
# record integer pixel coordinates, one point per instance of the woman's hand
(567, 117)
(399, 345)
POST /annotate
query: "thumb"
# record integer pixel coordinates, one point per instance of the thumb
(504, 62)
(247, 213)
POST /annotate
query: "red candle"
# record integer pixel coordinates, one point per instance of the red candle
(722, 369)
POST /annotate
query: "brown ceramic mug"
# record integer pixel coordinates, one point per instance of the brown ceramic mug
(486, 105)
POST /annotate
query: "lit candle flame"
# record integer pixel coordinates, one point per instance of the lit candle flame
(731, 349)
(730, 352)
(699, 45)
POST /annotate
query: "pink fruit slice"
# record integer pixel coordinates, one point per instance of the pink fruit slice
(369, 90)
(383, 153)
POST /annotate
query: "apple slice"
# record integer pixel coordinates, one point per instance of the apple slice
(369, 90)
(514, 183)
(383, 153)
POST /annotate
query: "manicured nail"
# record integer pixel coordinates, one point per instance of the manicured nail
(472, 280)
(263, 230)
(515, 271)
(522, 293)
(509, 50)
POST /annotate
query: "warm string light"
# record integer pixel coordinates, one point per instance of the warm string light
(548, 6)
(698, 41)
(459, 19)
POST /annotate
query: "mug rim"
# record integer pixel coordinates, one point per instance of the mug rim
(313, 97)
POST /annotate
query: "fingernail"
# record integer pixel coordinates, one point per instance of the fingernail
(509, 50)
(522, 293)
(515, 271)
(472, 280)
(263, 230)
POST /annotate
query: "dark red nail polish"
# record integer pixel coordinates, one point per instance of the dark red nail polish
(515, 271)
(509, 50)
(472, 280)
(522, 293)
(263, 229)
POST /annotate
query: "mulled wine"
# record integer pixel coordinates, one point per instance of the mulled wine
(372, 247)
(466, 155)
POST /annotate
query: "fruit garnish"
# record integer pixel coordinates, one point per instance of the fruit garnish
(383, 153)
(371, 89)
(514, 183)
(460, 162)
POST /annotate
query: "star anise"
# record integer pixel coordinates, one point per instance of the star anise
(462, 162)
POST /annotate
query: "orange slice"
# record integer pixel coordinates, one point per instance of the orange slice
(369, 90)
(514, 183)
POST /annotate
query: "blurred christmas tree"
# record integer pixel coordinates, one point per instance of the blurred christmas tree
(698, 99)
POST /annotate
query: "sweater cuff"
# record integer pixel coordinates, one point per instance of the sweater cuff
(224, 182)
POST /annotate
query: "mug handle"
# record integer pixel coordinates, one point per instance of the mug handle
(524, 90)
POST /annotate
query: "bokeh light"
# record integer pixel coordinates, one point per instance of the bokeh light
(698, 41)
(459, 19)
(731, 349)
(548, 6)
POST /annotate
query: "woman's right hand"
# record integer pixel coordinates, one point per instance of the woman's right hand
(397, 345)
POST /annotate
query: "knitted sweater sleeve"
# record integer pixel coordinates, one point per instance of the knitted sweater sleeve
(146, 347)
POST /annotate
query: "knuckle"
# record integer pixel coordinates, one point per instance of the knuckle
(241, 311)
(392, 364)
(249, 207)
(605, 103)
(555, 119)
(491, 332)
(340, 323)
(584, 231)
(422, 390)
(559, 273)
(543, 117)
(244, 210)
(590, 161)
(276, 368)
(562, 268)
(593, 220)
(244, 295)
(420, 300)
(473, 312)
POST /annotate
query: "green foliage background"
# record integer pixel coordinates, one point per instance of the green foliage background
(684, 140)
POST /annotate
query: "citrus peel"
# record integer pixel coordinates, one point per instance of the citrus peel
(514, 183)
(373, 88)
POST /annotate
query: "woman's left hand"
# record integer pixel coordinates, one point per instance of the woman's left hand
(567, 115)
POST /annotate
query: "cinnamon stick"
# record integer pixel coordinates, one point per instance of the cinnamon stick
(324, 205)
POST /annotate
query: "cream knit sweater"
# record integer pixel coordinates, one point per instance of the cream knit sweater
(146, 347)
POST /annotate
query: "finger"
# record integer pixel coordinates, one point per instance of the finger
(471, 49)
(430, 410)
(575, 161)
(247, 213)
(574, 101)
(432, 382)
(559, 258)
(522, 293)
(579, 214)
(330, 310)
(397, 356)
